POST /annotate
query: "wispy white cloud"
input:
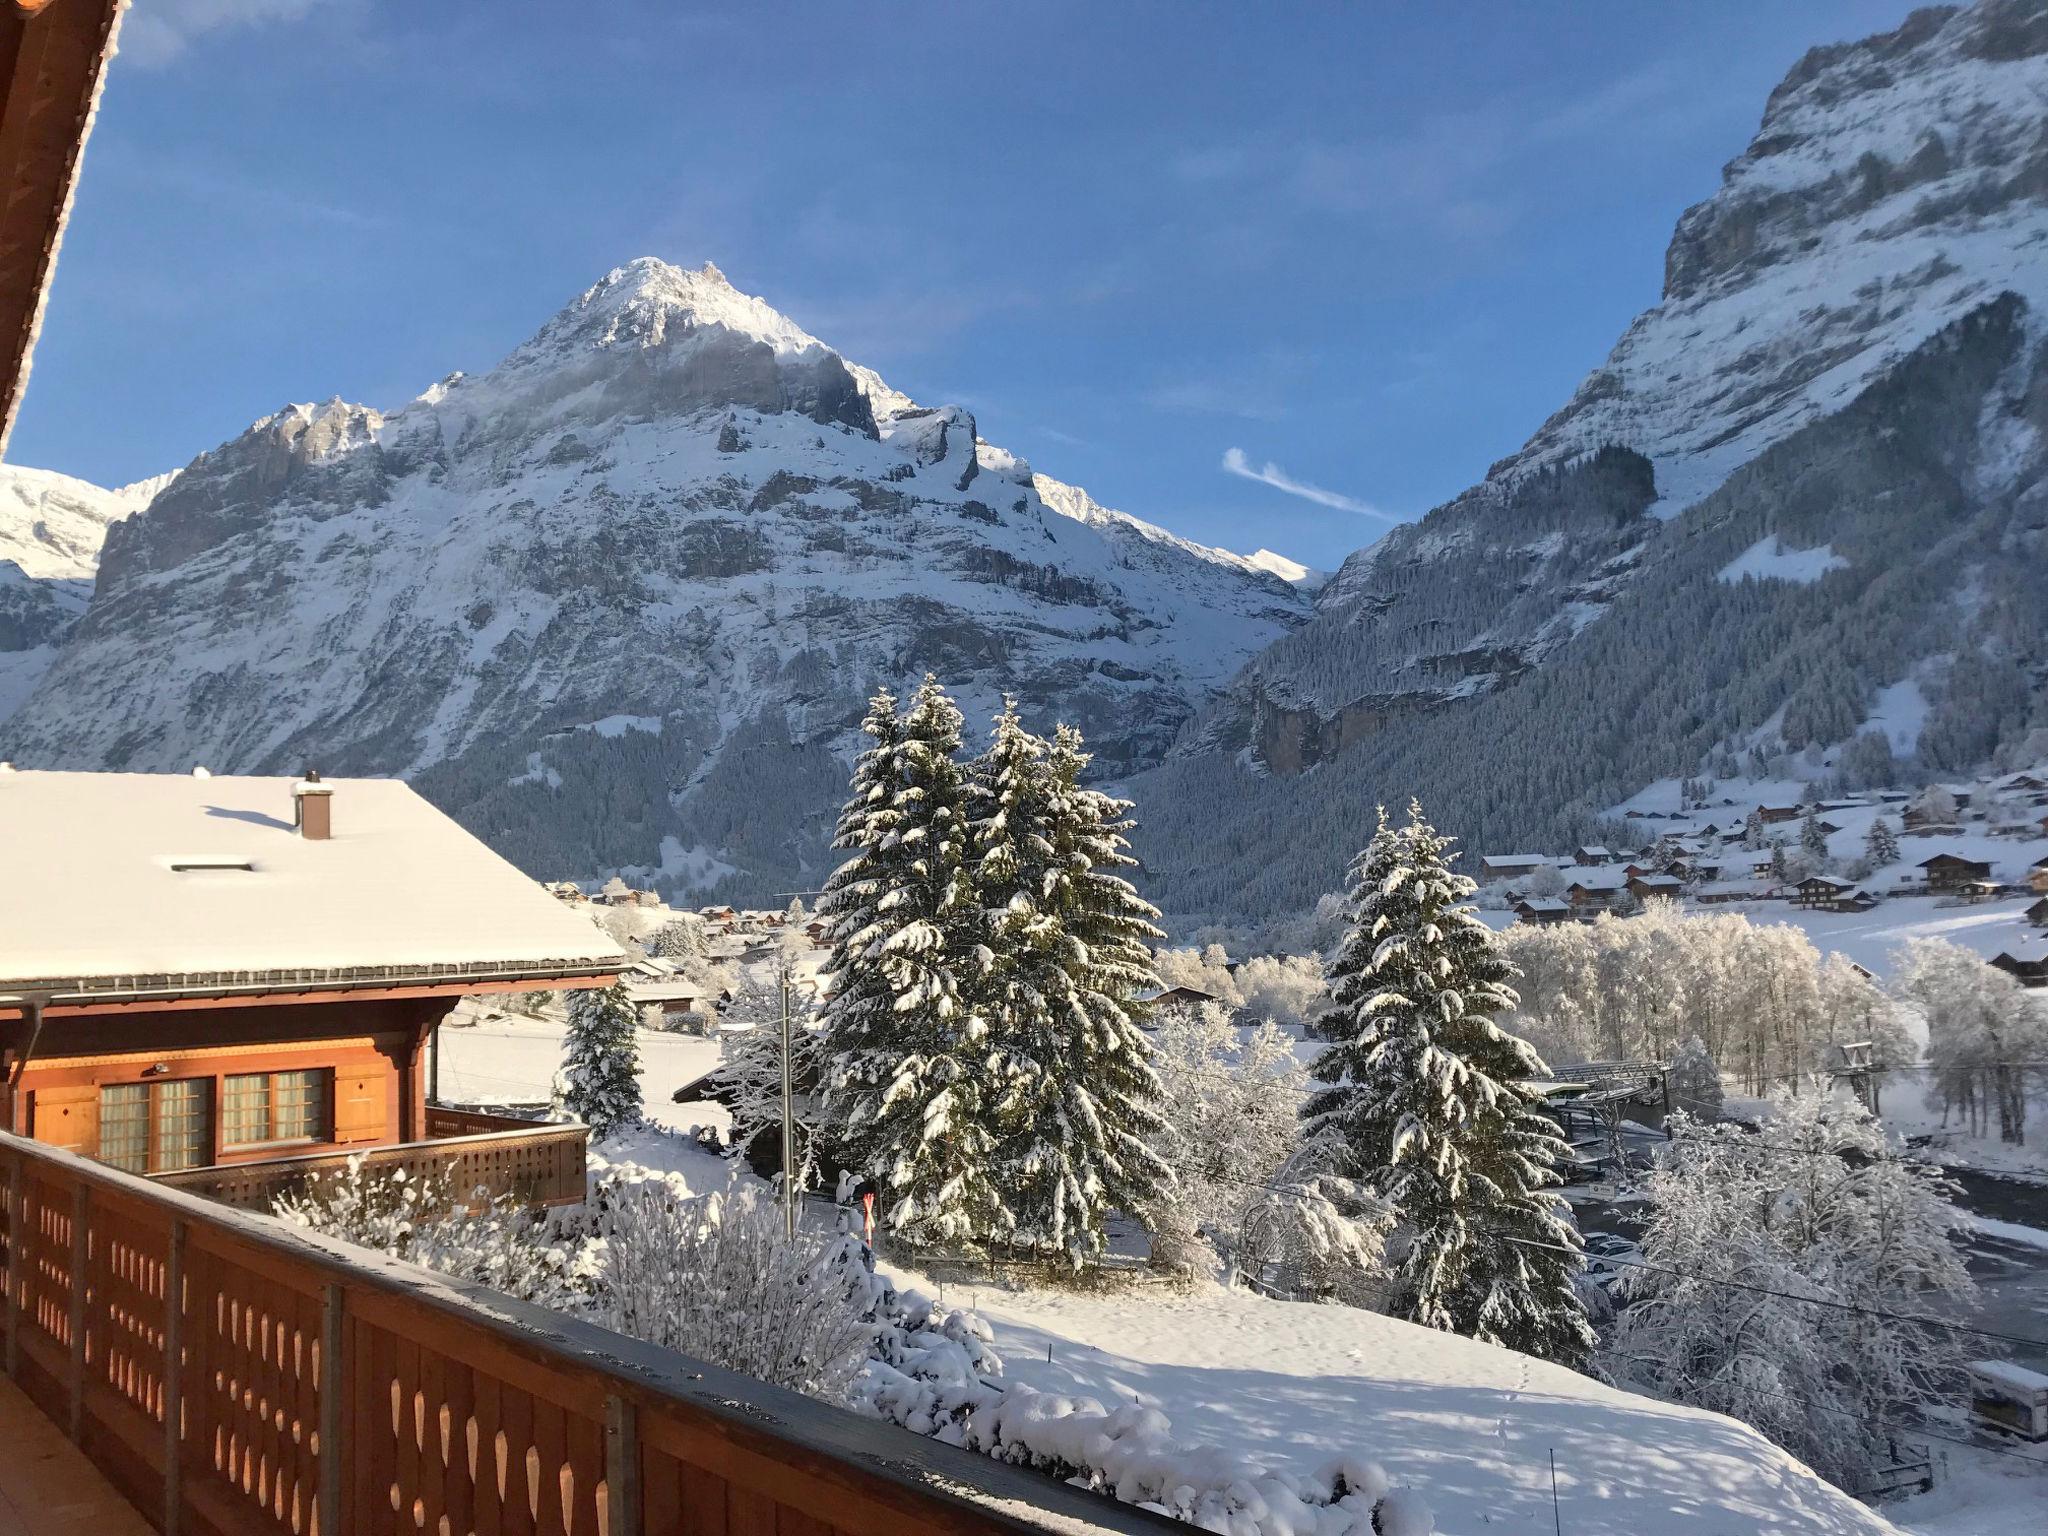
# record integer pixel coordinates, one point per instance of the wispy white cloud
(1269, 473)
(154, 35)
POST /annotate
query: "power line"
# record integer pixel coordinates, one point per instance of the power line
(1764, 1290)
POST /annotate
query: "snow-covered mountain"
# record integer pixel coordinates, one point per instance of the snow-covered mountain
(1845, 374)
(51, 529)
(617, 602)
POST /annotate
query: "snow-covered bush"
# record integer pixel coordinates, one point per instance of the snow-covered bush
(937, 1373)
(716, 1277)
(494, 1242)
(1695, 1081)
(1762, 1245)
(751, 1069)
(1324, 1233)
(1985, 1036)
(1229, 1099)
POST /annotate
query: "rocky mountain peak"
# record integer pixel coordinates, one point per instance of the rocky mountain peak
(1934, 126)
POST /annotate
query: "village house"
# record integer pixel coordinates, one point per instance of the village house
(2028, 971)
(1591, 854)
(1952, 872)
(1773, 814)
(224, 980)
(664, 996)
(1540, 910)
(2037, 914)
(2037, 877)
(1645, 887)
(1596, 890)
(1821, 891)
(1513, 866)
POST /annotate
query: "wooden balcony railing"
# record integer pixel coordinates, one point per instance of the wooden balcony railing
(534, 1163)
(235, 1376)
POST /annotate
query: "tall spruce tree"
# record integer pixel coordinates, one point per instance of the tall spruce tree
(1077, 1102)
(1813, 838)
(600, 1081)
(907, 1042)
(1881, 844)
(1423, 1090)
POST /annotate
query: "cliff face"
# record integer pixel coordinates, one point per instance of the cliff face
(1845, 369)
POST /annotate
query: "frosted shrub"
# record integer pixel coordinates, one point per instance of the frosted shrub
(414, 1217)
(1742, 1227)
(716, 1278)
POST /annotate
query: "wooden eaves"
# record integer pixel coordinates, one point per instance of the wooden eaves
(53, 59)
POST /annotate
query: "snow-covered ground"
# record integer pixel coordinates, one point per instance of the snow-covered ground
(512, 1059)
(1871, 938)
(1468, 1426)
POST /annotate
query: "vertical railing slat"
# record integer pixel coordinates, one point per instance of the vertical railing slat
(621, 1467)
(333, 1314)
(81, 1283)
(174, 1378)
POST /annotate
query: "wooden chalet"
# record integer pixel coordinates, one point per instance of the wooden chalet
(1773, 814)
(2037, 877)
(2037, 914)
(231, 983)
(1541, 910)
(1591, 854)
(1953, 872)
(1596, 890)
(1648, 886)
(1821, 891)
(2028, 970)
(1177, 997)
(1513, 866)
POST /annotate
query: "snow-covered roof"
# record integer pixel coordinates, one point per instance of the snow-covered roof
(1598, 877)
(2006, 1374)
(1543, 904)
(123, 884)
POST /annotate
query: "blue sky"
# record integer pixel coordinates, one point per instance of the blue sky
(1371, 246)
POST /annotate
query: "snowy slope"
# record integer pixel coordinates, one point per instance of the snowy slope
(1469, 1426)
(51, 530)
(618, 602)
(1814, 474)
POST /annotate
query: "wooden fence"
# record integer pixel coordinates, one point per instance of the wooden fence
(536, 1164)
(237, 1377)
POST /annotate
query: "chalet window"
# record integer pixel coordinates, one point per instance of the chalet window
(157, 1127)
(258, 1108)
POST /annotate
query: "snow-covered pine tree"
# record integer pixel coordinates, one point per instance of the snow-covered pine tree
(1753, 830)
(1813, 837)
(1422, 1088)
(1881, 844)
(1072, 943)
(1695, 1081)
(601, 1059)
(907, 1049)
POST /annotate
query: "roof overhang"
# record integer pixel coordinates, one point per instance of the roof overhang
(61, 999)
(53, 60)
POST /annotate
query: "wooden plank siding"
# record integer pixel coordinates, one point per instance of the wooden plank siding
(312, 1389)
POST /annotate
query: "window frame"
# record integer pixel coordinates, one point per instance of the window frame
(154, 1141)
(323, 1118)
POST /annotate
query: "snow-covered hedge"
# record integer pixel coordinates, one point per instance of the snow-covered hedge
(936, 1372)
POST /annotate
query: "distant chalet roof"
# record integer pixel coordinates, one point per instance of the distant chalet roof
(1516, 860)
(1597, 877)
(131, 886)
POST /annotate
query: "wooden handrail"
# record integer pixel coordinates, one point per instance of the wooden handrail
(291, 1383)
(532, 1162)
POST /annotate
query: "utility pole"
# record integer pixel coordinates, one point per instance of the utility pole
(788, 1129)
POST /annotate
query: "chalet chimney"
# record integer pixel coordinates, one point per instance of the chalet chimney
(312, 803)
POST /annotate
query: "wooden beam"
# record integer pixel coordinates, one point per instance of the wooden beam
(55, 53)
(451, 989)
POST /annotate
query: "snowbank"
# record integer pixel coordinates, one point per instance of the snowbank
(1289, 1386)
